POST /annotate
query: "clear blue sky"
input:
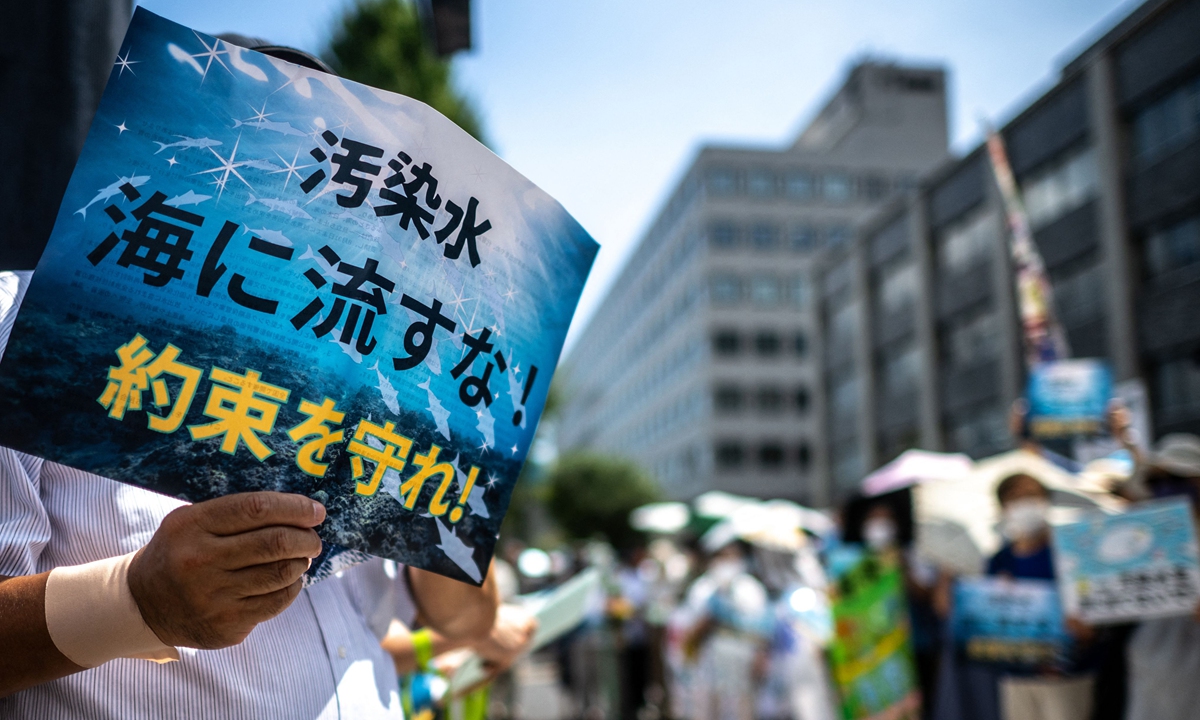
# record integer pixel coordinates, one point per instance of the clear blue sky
(603, 102)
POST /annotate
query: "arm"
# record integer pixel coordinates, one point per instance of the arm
(23, 627)
(399, 644)
(210, 574)
(454, 609)
(507, 640)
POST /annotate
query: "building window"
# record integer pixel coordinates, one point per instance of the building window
(764, 236)
(804, 238)
(898, 287)
(727, 399)
(764, 290)
(837, 236)
(722, 182)
(1167, 124)
(1178, 388)
(767, 343)
(729, 454)
(902, 373)
(1176, 247)
(837, 187)
(1080, 298)
(982, 433)
(770, 400)
(722, 235)
(847, 464)
(802, 400)
(803, 455)
(770, 455)
(845, 397)
(726, 289)
(876, 188)
(727, 343)
(1064, 186)
(843, 325)
(799, 185)
(969, 242)
(798, 291)
(760, 184)
(975, 340)
(800, 343)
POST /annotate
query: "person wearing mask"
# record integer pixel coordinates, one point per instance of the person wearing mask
(1164, 654)
(731, 626)
(1026, 554)
(884, 524)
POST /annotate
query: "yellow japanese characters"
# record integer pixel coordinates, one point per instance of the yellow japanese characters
(244, 409)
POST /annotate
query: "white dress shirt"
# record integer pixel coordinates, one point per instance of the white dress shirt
(320, 658)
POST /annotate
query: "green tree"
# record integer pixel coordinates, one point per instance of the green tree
(381, 43)
(591, 495)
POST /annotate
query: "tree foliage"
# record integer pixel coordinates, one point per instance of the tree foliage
(590, 495)
(381, 43)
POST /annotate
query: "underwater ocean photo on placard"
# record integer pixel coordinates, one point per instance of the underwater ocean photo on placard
(264, 277)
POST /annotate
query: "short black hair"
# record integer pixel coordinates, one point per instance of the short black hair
(1008, 484)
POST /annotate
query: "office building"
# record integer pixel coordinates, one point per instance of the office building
(923, 346)
(701, 363)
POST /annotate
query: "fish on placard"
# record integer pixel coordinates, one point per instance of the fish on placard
(187, 142)
(287, 207)
(107, 192)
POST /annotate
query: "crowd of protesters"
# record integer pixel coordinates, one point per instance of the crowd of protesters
(724, 627)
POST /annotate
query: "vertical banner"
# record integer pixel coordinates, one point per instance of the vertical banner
(1043, 336)
(264, 277)
(871, 653)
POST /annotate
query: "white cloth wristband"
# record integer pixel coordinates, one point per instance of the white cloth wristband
(93, 618)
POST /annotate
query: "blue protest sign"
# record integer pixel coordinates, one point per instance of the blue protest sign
(1016, 623)
(1140, 564)
(1069, 398)
(264, 277)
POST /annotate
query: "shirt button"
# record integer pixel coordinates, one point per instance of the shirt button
(342, 653)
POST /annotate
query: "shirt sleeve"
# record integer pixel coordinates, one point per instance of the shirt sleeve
(24, 523)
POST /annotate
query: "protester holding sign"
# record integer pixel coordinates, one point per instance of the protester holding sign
(1164, 653)
(1027, 554)
(312, 362)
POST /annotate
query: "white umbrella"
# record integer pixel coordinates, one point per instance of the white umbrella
(916, 466)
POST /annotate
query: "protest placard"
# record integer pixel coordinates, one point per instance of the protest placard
(871, 652)
(1014, 623)
(1141, 564)
(1069, 398)
(264, 277)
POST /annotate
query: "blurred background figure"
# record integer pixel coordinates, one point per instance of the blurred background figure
(731, 627)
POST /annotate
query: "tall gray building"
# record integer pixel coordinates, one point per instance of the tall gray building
(701, 362)
(923, 346)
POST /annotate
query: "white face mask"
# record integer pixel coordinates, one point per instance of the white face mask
(1025, 518)
(879, 533)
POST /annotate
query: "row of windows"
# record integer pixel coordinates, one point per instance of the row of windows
(729, 343)
(1167, 124)
(761, 289)
(771, 455)
(968, 241)
(834, 186)
(765, 236)
(1175, 247)
(1062, 187)
(768, 399)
